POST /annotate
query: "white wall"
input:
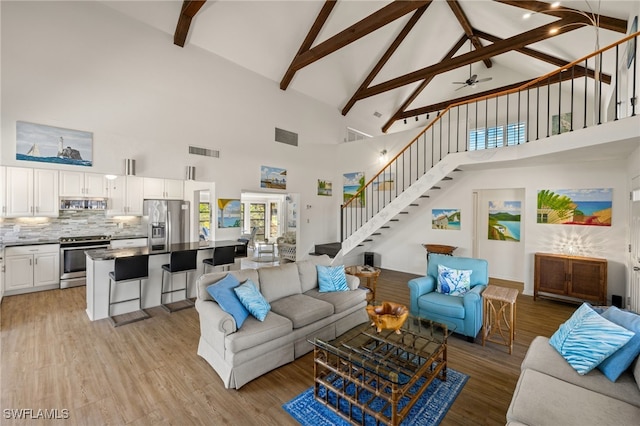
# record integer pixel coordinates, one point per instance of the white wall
(81, 65)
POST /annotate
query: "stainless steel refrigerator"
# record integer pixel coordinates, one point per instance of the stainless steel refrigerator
(167, 223)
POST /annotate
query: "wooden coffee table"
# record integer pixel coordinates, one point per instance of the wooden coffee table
(386, 365)
(368, 272)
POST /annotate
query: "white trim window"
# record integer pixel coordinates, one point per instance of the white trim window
(495, 137)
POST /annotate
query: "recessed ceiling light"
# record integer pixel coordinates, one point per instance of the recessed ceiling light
(377, 114)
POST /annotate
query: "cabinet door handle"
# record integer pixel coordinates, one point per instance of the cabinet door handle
(37, 209)
(635, 268)
(30, 262)
(35, 261)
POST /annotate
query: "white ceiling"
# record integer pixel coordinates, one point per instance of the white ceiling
(264, 36)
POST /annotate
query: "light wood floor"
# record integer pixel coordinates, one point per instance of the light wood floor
(148, 373)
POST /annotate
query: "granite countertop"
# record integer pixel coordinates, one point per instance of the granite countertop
(110, 254)
(30, 242)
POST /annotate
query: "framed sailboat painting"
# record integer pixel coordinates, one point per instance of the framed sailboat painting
(48, 144)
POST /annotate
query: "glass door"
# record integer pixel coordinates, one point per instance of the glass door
(257, 213)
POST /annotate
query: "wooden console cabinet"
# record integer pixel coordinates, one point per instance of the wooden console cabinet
(571, 278)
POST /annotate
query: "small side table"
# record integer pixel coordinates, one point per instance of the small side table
(265, 247)
(368, 272)
(499, 318)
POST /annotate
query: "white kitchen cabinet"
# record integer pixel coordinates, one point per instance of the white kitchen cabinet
(128, 243)
(30, 268)
(125, 196)
(31, 192)
(163, 189)
(78, 184)
(3, 191)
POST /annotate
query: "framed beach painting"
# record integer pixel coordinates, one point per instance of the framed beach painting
(48, 144)
(229, 215)
(273, 178)
(325, 187)
(504, 220)
(575, 206)
(445, 219)
(384, 182)
(351, 184)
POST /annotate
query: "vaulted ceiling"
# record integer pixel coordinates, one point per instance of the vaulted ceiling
(387, 64)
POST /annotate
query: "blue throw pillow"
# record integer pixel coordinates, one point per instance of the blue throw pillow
(331, 278)
(621, 359)
(253, 300)
(586, 339)
(454, 282)
(222, 292)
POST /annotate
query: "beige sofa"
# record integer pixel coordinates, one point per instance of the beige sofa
(550, 392)
(298, 312)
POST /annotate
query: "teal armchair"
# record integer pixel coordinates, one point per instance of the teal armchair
(463, 314)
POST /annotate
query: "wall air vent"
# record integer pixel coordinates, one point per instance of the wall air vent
(287, 137)
(204, 151)
(355, 135)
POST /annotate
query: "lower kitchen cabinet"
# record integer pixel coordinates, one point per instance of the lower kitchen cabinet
(31, 268)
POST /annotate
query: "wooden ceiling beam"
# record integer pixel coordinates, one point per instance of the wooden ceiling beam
(387, 55)
(189, 10)
(308, 40)
(421, 87)
(481, 95)
(376, 20)
(605, 78)
(466, 27)
(520, 40)
(606, 22)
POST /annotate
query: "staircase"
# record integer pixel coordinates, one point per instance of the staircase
(483, 130)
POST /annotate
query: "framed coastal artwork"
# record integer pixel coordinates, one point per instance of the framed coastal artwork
(229, 215)
(561, 123)
(325, 187)
(273, 178)
(48, 144)
(504, 220)
(384, 182)
(575, 206)
(445, 219)
(351, 184)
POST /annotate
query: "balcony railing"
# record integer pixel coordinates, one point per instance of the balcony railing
(592, 90)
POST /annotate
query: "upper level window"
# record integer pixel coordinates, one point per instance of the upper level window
(494, 137)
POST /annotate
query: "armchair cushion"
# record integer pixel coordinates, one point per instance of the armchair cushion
(454, 282)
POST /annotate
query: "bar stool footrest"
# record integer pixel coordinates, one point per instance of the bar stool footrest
(178, 306)
(128, 318)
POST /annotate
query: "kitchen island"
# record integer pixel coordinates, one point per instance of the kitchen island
(101, 262)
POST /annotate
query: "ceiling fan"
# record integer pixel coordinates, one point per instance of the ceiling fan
(471, 81)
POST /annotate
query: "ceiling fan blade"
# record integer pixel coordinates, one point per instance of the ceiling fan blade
(473, 77)
(458, 82)
(484, 79)
(461, 87)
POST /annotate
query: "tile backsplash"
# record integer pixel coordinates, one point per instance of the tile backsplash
(70, 223)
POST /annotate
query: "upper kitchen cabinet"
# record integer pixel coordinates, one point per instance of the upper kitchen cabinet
(163, 189)
(78, 184)
(3, 191)
(31, 192)
(125, 196)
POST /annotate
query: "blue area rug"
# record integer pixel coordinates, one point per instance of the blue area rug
(430, 408)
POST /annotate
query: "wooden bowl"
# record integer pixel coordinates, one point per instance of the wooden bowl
(388, 316)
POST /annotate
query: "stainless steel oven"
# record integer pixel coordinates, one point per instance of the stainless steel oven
(73, 263)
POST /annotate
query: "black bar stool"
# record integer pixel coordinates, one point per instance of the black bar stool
(128, 269)
(222, 256)
(180, 261)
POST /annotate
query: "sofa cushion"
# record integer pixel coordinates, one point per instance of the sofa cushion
(540, 399)
(254, 332)
(206, 280)
(442, 304)
(341, 301)
(621, 359)
(223, 293)
(308, 272)
(332, 278)
(586, 339)
(252, 300)
(541, 356)
(454, 282)
(279, 281)
(302, 309)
